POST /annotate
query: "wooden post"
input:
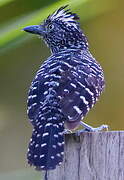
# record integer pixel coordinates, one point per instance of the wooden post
(92, 156)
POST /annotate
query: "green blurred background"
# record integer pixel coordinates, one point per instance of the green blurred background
(21, 55)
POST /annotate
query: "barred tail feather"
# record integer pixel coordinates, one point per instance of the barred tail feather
(46, 147)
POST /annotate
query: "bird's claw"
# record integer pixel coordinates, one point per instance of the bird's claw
(91, 129)
(67, 131)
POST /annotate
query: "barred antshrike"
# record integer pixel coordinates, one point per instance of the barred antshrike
(65, 88)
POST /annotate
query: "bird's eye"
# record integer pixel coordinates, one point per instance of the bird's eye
(50, 26)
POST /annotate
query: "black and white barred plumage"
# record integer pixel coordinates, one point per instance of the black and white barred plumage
(64, 89)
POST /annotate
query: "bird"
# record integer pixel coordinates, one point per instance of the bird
(64, 89)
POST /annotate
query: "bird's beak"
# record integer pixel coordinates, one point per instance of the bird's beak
(35, 29)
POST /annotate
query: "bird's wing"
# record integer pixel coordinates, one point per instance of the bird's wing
(79, 89)
(75, 87)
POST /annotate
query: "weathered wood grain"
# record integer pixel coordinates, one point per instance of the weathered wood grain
(92, 156)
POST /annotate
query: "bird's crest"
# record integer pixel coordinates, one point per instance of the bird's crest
(66, 16)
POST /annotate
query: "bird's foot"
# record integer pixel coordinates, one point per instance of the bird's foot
(67, 131)
(88, 128)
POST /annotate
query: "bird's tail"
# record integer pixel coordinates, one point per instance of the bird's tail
(46, 147)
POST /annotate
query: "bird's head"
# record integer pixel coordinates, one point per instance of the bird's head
(60, 31)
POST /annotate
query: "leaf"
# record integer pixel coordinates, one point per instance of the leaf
(11, 32)
(4, 2)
